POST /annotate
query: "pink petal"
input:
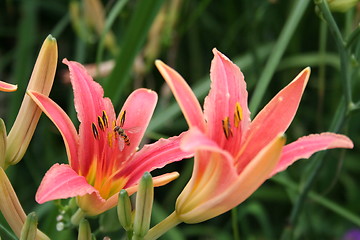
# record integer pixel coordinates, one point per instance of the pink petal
(89, 104)
(183, 94)
(7, 87)
(228, 89)
(62, 122)
(273, 119)
(60, 182)
(306, 146)
(139, 108)
(235, 192)
(153, 156)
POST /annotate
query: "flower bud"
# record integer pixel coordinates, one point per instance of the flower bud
(28, 231)
(341, 5)
(41, 81)
(124, 210)
(84, 230)
(143, 207)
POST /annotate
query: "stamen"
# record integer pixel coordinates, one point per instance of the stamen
(238, 114)
(101, 123)
(122, 118)
(105, 119)
(227, 128)
(95, 131)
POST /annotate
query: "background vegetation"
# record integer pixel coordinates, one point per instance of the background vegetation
(271, 41)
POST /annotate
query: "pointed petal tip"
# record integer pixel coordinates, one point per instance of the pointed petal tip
(65, 61)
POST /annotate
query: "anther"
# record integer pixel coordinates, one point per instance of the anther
(122, 118)
(95, 131)
(227, 128)
(101, 123)
(105, 119)
(238, 114)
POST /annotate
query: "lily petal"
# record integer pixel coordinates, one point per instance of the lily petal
(183, 94)
(304, 147)
(89, 104)
(213, 171)
(7, 87)
(255, 173)
(273, 119)
(62, 122)
(153, 156)
(139, 108)
(60, 182)
(227, 94)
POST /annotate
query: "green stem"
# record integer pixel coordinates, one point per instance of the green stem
(321, 200)
(316, 165)
(344, 55)
(278, 51)
(77, 217)
(158, 230)
(234, 223)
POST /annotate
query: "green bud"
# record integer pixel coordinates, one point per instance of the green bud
(84, 230)
(143, 207)
(341, 5)
(29, 229)
(124, 210)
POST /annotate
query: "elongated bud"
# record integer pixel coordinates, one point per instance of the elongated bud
(143, 207)
(7, 87)
(2, 143)
(29, 229)
(10, 207)
(41, 81)
(341, 5)
(124, 210)
(84, 230)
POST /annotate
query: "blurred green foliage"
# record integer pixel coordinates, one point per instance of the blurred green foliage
(249, 33)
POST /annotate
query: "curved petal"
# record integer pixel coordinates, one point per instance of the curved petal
(255, 173)
(89, 104)
(213, 172)
(273, 119)
(7, 87)
(60, 182)
(183, 94)
(139, 107)
(304, 147)
(62, 122)
(227, 99)
(153, 156)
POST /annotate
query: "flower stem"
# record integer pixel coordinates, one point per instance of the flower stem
(158, 230)
(234, 223)
(77, 217)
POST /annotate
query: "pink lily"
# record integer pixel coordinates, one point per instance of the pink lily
(7, 87)
(235, 155)
(101, 160)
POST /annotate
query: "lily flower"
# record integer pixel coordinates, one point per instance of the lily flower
(235, 155)
(7, 87)
(103, 156)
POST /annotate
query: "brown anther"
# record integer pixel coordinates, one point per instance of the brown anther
(105, 119)
(227, 128)
(95, 131)
(101, 123)
(122, 118)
